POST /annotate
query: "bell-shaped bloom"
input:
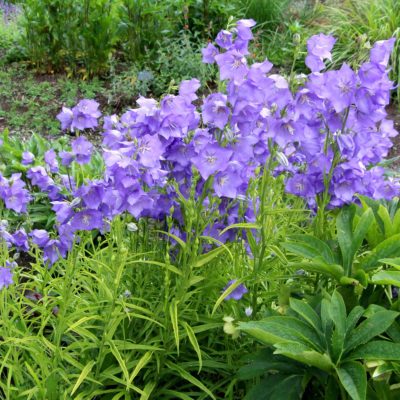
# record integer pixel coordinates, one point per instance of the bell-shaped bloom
(213, 158)
(215, 112)
(237, 293)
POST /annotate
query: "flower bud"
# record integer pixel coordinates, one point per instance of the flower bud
(132, 227)
(282, 159)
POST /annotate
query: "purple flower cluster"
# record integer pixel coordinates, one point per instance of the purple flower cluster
(8, 11)
(14, 193)
(6, 274)
(83, 116)
(334, 124)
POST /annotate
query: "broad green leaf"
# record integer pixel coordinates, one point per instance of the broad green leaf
(389, 248)
(353, 377)
(305, 355)
(306, 312)
(337, 312)
(265, 360)
(393, 262)
(360, 231)
(396, 222)
(278, 387)
(320, 248)
(334, 270)
(272, 330)
(303, 250)
(371, 327)
(394, 332)
(344, 225)
(386, 278)
(376, 350)
(353, 317)
(387, 222)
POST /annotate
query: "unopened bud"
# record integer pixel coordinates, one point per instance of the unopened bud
(282, 159)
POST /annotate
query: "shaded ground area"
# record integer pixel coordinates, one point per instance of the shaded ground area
(30, 102)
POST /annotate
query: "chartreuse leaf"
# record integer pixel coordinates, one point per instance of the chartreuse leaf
(371, 327)
(194, 343)
(243, 225)
(386, 278)
(393, 262)
(85, 372)
(207, 257)
(148, 390)
(173, 312)
(140, 365)
(387, 249)
(305, 355)
(376, 350)
(353, 377)
(312, 246)
(307, 313)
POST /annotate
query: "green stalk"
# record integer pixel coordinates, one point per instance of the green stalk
(264, 219)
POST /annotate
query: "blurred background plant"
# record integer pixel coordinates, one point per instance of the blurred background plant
(357, 24)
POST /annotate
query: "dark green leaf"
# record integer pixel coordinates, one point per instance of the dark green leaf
(278, 329)
(371, 327)
(306, 312)
(344, 225)
(277, 387)
(376, 350)
(354, 379)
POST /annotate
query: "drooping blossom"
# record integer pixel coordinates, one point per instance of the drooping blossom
(237, 293)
